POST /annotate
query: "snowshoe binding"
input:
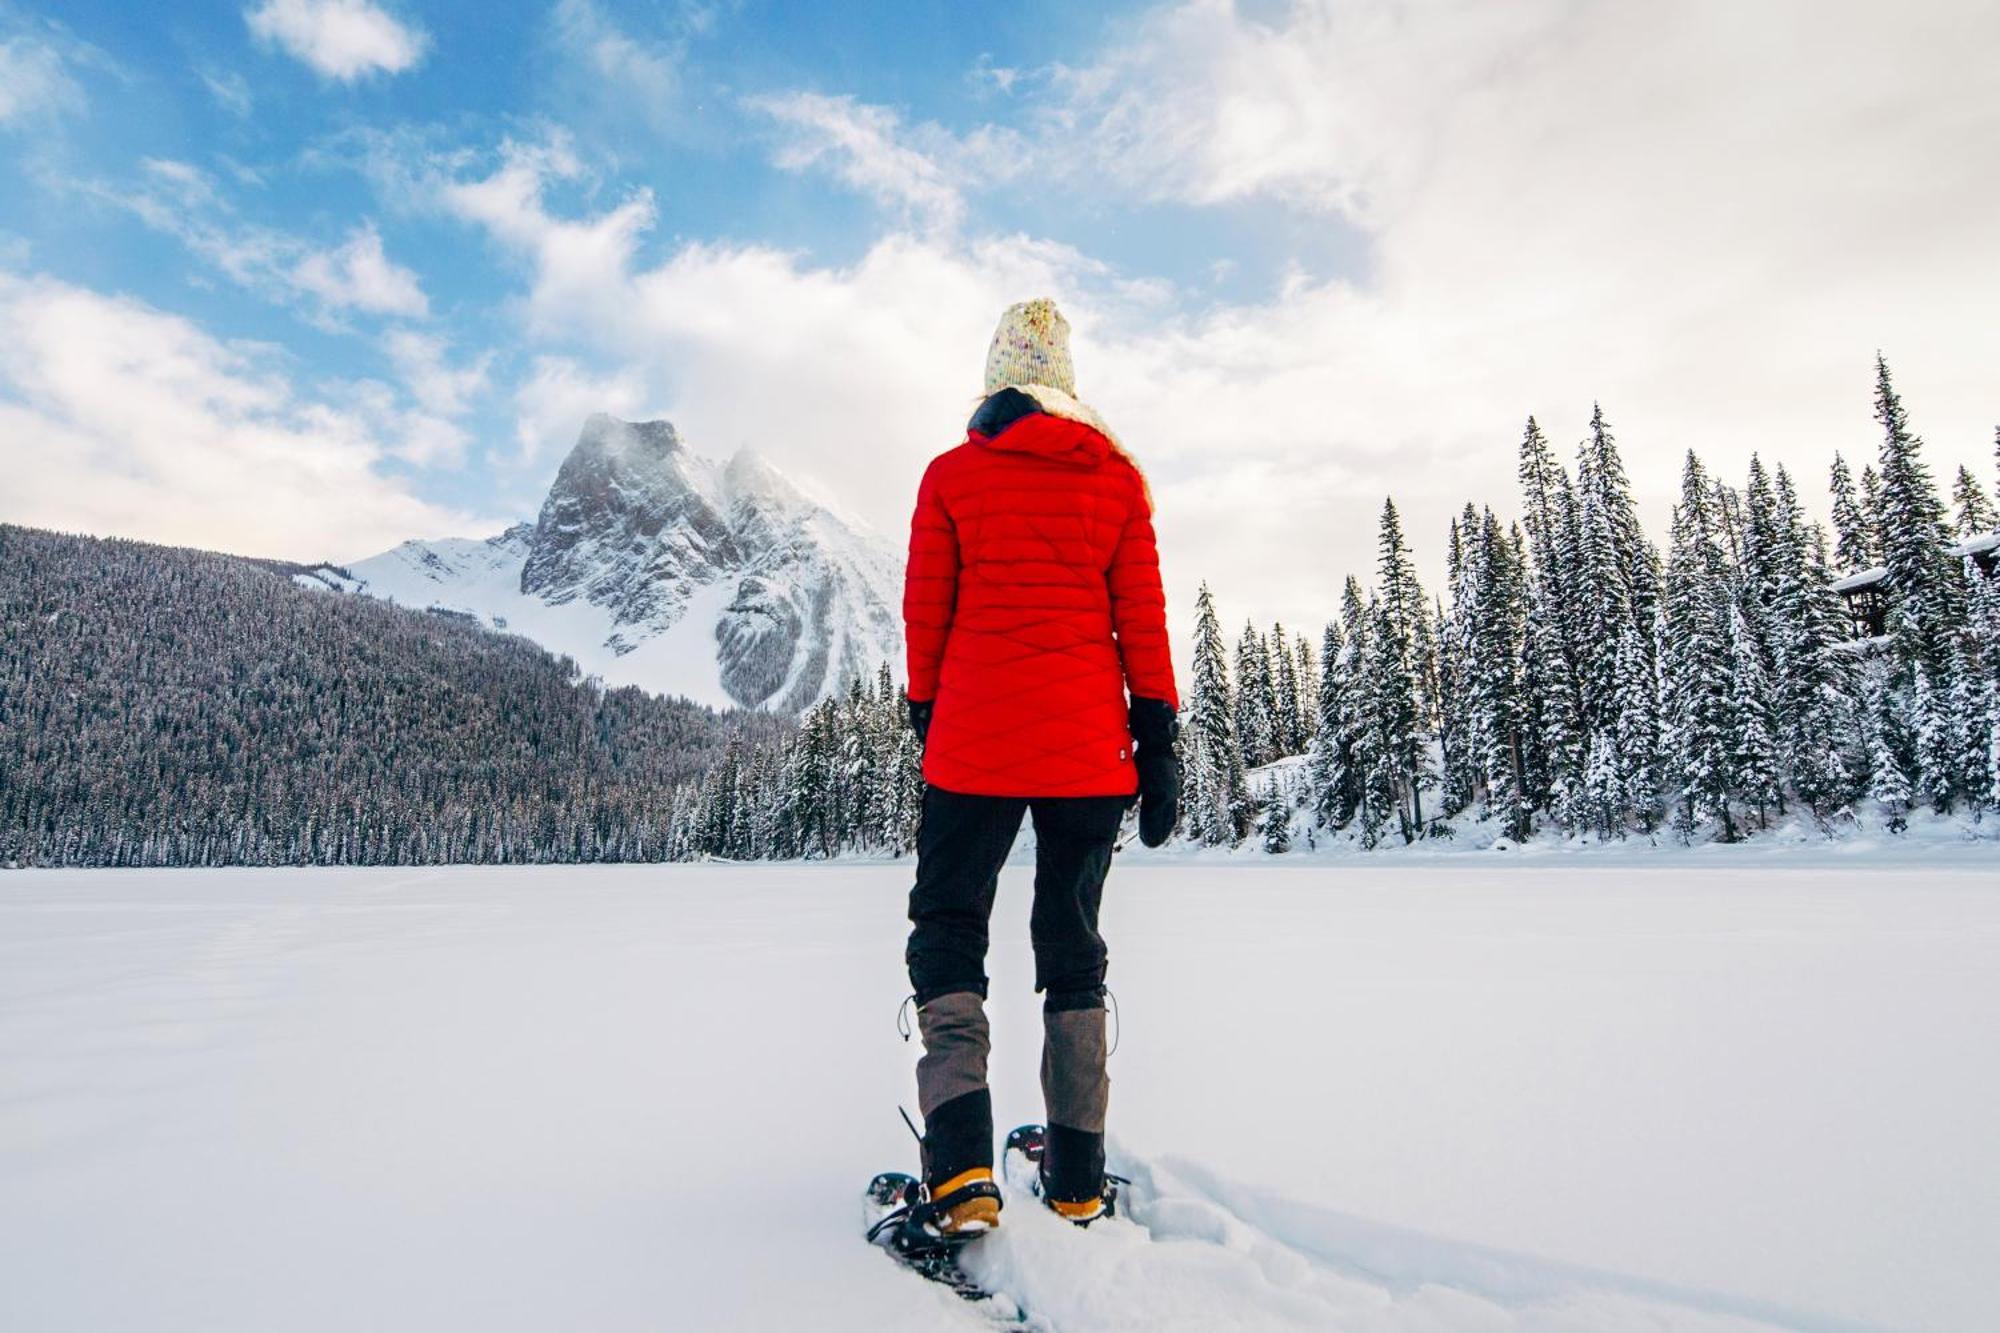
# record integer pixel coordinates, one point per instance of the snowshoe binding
(1027, 1147)
(925, 1234)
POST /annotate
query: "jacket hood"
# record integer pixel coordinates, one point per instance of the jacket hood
(1037, 432)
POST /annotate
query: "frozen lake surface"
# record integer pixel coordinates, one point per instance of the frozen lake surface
(1684, 1093)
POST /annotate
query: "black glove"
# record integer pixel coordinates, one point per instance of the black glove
(1154, 728)
(920, 718)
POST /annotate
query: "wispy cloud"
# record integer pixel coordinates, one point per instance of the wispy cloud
(558, 393)
(344, 40)
(355, 276)
(230, 90)
(35, 82)
(922, 171)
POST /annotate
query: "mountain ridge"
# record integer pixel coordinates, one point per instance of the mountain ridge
(656, 566)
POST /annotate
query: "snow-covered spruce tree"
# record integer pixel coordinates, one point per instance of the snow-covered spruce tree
(1457, 749)
(1327, 761)
(1215, 766)
(1854, 542)
(1398, 690)
(1551, 679)
(1345, 699)
(1288, 729)
(1975, 516)
(1276, 817)
(1889, 745)
(1922, 584)
(1985, 640)
(1615, 600)
(1378, 667)
(1753, 754)
(1696, 666)
(1497, 687)
(1871, 511)
(1756, 577)
(1813, 687)
(1306, 667)
(1255, 700)
(1636, 723)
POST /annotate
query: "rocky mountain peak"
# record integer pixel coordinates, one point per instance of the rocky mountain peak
(658, 566)
(635, 441)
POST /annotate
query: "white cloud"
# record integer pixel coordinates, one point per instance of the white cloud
(358, 276)
(432, 433)
(123, 419)
(551, 404)
(920, 170)
(577, 264)
(439, 386)
(34, 82)
(181, 200)
(340, 39)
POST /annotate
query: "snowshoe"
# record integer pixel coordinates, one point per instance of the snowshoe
(911, 1226)
(1022, 1162)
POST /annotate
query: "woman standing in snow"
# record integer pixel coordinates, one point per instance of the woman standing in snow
(1032, 605)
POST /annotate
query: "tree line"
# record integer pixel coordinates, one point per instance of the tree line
(1573, 680)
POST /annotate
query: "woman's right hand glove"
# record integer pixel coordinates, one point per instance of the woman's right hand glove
(1153, 730)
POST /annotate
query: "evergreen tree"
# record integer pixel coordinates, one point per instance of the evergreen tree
(1922, 584)
(1456, 662)
(1307, 709)
(1975, 512)
(1871, 511)
(1288, 730)
(1636, 725)
(1276, 812)
(1813, 686)
(1696, 667)
(1255, 698)
(1888, 745)
(1396, 682)
(1551, 686)
(1753, 757)
(1854, 547)
(1218, 814)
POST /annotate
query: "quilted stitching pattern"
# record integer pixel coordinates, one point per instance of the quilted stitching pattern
(1031, 602)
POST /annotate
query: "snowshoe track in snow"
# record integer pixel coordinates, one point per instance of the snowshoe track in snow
(1189, 1251)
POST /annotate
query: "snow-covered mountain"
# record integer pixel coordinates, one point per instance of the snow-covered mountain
(651, 565)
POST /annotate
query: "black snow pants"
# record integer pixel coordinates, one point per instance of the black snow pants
(961, 843)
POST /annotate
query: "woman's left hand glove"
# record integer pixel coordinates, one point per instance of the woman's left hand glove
(920, 718)
(1154, 728)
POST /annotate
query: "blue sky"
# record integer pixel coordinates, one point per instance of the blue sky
(304, 277)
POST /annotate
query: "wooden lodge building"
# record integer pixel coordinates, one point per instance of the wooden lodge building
(1867, 600)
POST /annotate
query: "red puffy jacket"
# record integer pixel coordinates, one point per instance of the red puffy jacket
(1032, 601)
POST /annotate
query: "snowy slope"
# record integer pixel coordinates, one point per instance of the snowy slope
(1356, 1097)
(653, 566)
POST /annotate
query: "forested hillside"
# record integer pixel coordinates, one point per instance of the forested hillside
(162, 706)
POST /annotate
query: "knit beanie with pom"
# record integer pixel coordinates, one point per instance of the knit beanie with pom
(1031, 346)
(1030, 352)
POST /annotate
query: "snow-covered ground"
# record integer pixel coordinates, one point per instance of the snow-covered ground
(1705, 1092)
